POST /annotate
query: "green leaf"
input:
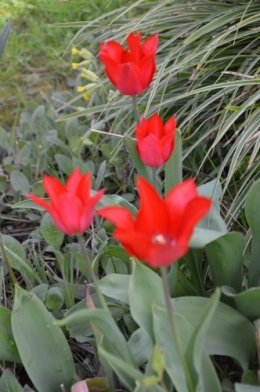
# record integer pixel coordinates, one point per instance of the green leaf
(16, 254)
(249, 377)
(212, 226)
(42, 345)
(115, 200)
(54, 299)
(164, 338)
(202, 370)
(104, 322)
(246, 388)
(115, 286)
(141, 345)
(246, 302)
(225, 257)
(8, 350)
(145, 290)
(4, 36)
(173, 167)
(127, 373)
(9, 383)
(228, 327)
(50, 233)
(252, 211)
(19, 182)
(25, 204)
(64, 163)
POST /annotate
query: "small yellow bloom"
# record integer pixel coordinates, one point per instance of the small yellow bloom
(75, 65)
(86, 96)
(81, 88)
(75, 51)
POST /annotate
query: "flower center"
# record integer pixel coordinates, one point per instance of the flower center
(160, 239)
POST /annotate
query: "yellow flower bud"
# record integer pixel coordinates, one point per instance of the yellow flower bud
(75, 51)
(89, 75)
(81, 88)
(75, 65)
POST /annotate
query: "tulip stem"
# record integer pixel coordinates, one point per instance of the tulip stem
(154, 172)
(174, 329)
(92, 273)
(136, 111)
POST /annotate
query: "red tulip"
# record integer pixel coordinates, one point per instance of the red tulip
(71, 206)
(131, 72)
(155, 141)
(162, 228)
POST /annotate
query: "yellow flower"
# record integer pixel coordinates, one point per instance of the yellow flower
(75, 51)
(75, 65)
(81, 88)
(89, 75)
(86, 96)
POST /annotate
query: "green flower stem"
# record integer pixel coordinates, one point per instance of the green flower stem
(10, 270)
(176, 338)
(136, 111)
(92, 273)
(154, 172)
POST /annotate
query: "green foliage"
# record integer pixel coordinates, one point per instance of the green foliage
(42, 345)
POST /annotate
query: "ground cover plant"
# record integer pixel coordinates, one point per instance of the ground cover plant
(172, 293)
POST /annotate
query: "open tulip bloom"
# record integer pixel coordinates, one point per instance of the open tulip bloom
(71, 206)
(162, 228)
(130, 71)
(155, 141)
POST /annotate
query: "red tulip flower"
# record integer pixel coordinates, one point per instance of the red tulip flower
(155, 141)
(162, 228)
(71, 206)
(130, 71)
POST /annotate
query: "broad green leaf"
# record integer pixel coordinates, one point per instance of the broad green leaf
(202, 371)
(212, 226)
(228, 327)
(246, 302)
(173, 167)
(9, 383)
(145, 290)
(252, 211)
(126, 372)
(50, 233)
(42, 346)
(4, 36)
(246, 388)
(54, 299)
(164, 338)
(8, 350)
(104, 322)
(115, 200)
(115, 286)
(249, 377)
(64, 163)
(16, 254)
(19, 182)
(25, 204)
(141, 345)
(225, 257)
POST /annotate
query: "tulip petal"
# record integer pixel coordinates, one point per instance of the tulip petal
(41, 202)
(120, 216)
(112, 51)
(128, 79)
(150, 44)
(170, 125)
(195, 210)
(53, 188)
(152, 218)
(149, 150)
(74, 181)
(166, 254)
(156, 126)
(68, 213)
(137, 244)
(134, 43)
